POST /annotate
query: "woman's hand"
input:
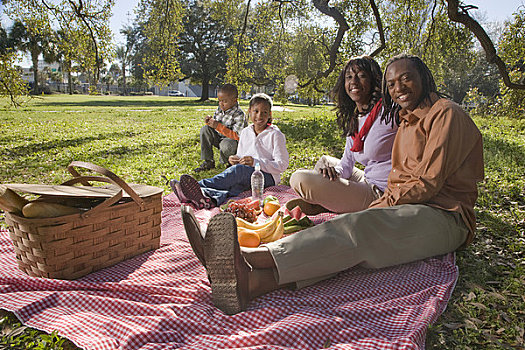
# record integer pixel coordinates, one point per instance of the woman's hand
(330, 173)
(246, 160)
(233, 159)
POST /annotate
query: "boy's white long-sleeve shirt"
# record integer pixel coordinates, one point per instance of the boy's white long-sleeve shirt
(268, 149)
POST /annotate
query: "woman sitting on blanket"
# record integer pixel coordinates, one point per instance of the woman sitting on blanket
(336, 184)
(261, 142)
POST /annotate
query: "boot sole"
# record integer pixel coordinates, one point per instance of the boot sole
(226, 267)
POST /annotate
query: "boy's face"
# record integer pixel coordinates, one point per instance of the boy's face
(226, 101)
(404, 84)
(260, 113)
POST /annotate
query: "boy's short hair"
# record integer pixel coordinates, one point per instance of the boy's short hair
(230, 90)
(261, 97)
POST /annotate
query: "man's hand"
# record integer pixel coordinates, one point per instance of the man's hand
(246, 160)
(234, 159)
(330, 173)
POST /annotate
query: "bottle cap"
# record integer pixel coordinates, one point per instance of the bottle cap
(257, 166)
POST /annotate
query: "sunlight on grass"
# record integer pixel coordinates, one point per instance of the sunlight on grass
(142, 138)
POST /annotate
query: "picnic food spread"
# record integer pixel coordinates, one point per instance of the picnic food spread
(267, 232)
(244, 208)
(257, 230)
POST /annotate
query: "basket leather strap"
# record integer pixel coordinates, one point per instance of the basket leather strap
(107, 203)
(110, 175)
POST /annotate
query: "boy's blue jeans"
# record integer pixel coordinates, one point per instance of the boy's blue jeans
(231, 182)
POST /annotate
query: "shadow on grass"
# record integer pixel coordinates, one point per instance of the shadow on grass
(127, 102)
(29, 149)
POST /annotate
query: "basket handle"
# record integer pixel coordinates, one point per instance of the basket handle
(111, 176)
(107, 203)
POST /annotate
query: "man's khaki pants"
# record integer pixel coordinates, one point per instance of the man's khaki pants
(339, 195)
(374, 238)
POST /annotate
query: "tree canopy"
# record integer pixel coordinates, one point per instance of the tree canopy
(261, 44)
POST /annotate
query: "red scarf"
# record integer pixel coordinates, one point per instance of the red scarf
(359, 137)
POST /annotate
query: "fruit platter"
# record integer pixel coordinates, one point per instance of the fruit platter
(258, 224)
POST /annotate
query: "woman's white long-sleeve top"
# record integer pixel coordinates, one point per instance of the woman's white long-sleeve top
(268, 149)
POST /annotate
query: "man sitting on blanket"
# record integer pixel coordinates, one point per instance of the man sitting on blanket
(426, 210)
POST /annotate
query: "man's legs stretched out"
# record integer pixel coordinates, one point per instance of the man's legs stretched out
(233, 282)
(375, 237)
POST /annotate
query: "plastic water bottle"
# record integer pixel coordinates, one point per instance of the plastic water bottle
(257, 184)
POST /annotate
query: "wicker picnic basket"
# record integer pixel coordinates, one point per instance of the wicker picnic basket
(123, 223)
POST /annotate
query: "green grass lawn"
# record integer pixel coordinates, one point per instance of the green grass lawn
(143, 138)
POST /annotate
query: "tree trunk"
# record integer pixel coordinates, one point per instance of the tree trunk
(34, 59)
(205, 95)
(205, 89)
(69, 82)
(124, 79)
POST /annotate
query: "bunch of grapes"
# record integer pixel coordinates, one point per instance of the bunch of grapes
(242, 211)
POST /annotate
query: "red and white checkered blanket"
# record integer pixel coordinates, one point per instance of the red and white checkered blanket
(162, 300)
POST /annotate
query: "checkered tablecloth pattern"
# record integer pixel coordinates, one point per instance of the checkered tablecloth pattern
(162, 300)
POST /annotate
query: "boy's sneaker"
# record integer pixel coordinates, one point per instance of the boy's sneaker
(191, 190)
(206, 165)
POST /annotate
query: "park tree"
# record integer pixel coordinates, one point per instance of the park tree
(36, 43)
(208, 29)
(158, 27)
(124, 53)
(512, 48)
(263, 35)
(84, 23)
(262, 46)
(324, 34)
(11, 83)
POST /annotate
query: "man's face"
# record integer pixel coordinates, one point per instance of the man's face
(404, 84)
(226, 101)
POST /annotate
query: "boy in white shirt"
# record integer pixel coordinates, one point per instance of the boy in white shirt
(261, 142)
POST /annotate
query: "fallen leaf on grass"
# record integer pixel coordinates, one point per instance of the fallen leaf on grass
(470, 296)
(479, 305)
(470, 324)
(505, 317)
(454, 325)
(497, 296)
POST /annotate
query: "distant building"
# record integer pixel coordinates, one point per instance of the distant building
(186, 88)
(27, 72)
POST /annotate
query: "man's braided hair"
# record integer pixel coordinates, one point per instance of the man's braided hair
(391, 114)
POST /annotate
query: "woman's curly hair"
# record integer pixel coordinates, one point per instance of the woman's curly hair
(346, 109)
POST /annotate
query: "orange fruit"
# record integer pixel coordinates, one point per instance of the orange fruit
(248, 238)
(271, 207)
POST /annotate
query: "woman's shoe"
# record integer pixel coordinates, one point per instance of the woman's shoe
(191, 190)
(306, 208)
(175, 187)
